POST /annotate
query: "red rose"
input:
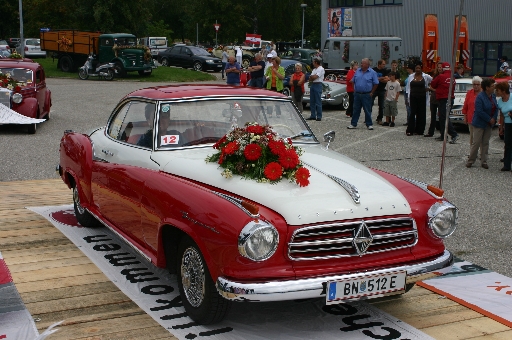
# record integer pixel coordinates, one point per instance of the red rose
(230, 148)
(5, 81)
(302, 177)
(252, 152)
(256, 129)
(276, 147)
(221, 158)
(289, 159)
(219, 142)
(273, 171)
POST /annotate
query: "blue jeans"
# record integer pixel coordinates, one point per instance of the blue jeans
(256, 82)
(315, 100)
(223, 68)
(364, 101)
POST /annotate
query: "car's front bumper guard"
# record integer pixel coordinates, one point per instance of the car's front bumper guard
(315, 287)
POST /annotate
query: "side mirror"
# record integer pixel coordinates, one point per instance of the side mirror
(329, 137)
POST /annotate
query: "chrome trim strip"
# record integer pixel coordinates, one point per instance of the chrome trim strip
(350, 188)
(315, 287)
(421, 185)
(121, 237)
(237, 202)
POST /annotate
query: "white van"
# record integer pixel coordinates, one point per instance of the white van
(155, 44)
(338, 52)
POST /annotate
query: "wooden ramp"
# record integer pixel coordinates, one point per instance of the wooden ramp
(58, 282)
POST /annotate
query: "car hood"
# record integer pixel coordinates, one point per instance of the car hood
(323, 200)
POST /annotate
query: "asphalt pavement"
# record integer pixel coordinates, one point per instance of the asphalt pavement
(482, 196)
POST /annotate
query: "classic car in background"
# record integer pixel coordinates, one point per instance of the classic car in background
(351, 233)
(189, 57)
(333, 94)
(303, 55)
(24, 90)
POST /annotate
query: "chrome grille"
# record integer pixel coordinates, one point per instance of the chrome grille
(134, 57)
(5, 97)
(336, 240)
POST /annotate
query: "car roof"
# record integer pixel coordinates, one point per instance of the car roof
(201, 90)
(25, 63)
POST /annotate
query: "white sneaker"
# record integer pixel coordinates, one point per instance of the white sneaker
(370, 127)
(351, 127)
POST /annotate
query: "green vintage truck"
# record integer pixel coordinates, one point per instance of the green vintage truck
(71, 48)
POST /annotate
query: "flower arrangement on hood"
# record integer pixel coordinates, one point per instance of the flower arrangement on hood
(8, 82)
(145, 49)
(346, 51)
(64, 43)
(257, 152)
(500, 74)
(15, 55)
(384, 47)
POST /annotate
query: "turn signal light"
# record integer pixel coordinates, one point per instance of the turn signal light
(435, 190)
(252, 208)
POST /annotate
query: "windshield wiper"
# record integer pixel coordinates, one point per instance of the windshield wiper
(301, 134)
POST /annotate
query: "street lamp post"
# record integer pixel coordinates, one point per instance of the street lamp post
(303, 10)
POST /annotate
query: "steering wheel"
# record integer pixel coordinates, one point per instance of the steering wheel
(203, 140)
(285, 126)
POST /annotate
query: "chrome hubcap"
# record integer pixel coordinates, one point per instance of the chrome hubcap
(76, 199)
(192, 277)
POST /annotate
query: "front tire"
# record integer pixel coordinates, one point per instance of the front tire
(198, 66)
(32, 128)
(345, 102)
(66, 64)
(110, 74)
(165, 62)
(82, 74)
(120, 69)
(246, 62)
(199, 295)
(286, 92)
(82, 216)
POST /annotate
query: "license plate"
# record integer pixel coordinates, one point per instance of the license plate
(370, 286)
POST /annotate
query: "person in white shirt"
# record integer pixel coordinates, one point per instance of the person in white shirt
(315, 90)
(504, 65)
(238, 54)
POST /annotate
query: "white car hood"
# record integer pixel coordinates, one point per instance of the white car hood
(322, 200)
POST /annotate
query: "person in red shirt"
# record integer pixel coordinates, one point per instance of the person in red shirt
(469, 105)
(441, 85)
(354, 65)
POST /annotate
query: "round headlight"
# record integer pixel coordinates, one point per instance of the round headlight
(258, 240)
(442, 219)
(17, 98)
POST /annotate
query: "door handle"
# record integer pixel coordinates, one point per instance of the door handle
(108, 153)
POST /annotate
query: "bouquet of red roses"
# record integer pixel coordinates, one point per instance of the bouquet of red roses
(257, 152)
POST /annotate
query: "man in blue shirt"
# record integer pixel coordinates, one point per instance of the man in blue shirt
(365, 83)
(232, 72)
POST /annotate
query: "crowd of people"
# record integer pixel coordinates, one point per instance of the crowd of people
(421, 91)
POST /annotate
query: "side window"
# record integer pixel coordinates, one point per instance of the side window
(337, 45)
(133, 124)
(176, 50)
(185, 51)
(39, 76)
(106, 42)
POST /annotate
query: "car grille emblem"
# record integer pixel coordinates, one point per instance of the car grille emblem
(362, 239)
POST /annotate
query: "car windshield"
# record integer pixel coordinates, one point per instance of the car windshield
(204, 122)
(125, 41)
(198, 51)
(34, 42)
(21, 75)
(463, 87)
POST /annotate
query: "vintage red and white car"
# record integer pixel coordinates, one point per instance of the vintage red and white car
(351, 233)
(24, 90)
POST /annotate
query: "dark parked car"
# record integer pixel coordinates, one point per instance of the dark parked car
(303, 55)
(189, 57)
(13, 42)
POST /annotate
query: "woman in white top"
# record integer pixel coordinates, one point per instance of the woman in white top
(238, 55)
(225, 57)
(419, 99)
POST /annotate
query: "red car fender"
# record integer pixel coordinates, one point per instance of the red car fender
(47, 101)
(214, 225)
(28, 107)
(76, 161)
(420, 201)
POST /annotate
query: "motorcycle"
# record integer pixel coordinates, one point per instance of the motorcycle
(106, 70)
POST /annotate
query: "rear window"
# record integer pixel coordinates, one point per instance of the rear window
(33, 42)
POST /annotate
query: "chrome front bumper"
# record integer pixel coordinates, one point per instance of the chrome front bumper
(315, 287)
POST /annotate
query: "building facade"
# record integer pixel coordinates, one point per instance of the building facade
(488, 21)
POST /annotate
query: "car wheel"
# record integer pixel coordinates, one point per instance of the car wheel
(198, 66)
(246, 63)
(66, 64)
(199, 295)
(145, 74)
(47, 115)
(165, 62)
(120, 69)
(286, 92)
(82, 216)
(82, 74)
(344, 104)
(110, 74)
(32, 128)
(331, 77)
